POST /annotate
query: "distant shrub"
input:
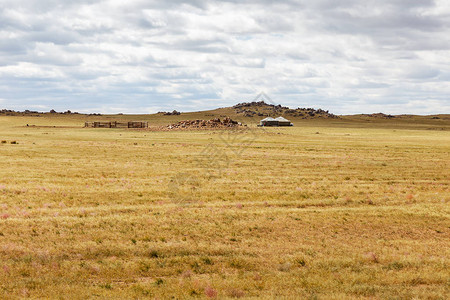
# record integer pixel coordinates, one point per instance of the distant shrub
(13, 142)
(154, 254)
(107, 286)
(207, 261)
(301, 262)
(417, 281)
(3, 142)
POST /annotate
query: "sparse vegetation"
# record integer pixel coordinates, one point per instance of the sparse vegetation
(360, 210)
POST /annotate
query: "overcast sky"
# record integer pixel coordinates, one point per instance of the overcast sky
(143, 56)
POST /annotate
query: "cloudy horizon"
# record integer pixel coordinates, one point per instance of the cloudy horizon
(148, 56)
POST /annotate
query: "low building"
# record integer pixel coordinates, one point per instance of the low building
(283, 122)
(280, 121)
(268, 122)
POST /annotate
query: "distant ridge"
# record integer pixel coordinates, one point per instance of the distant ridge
(258, 108)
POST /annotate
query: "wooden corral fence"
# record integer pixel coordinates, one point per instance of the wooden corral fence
(115, 124)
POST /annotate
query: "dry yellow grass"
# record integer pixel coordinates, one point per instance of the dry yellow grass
(324, 210)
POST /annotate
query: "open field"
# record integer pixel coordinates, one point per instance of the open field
(327, 209)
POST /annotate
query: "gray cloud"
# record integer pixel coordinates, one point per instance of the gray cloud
(143, 56)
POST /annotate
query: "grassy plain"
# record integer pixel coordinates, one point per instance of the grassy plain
(328, 209)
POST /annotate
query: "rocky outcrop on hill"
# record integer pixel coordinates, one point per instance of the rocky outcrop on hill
(12, 112)
(172, 113)
(32, 113)
(258, 104)
(262, 109)
(380, 115)
(204, 124)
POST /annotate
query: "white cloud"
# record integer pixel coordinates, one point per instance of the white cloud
(135, 56)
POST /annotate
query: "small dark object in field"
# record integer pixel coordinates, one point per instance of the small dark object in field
(13, 142)
(317, 132)
(154, 254)
(3, 142)
(301, 262)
